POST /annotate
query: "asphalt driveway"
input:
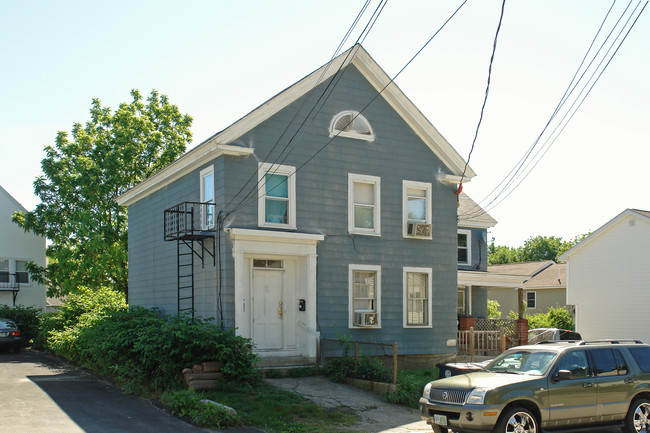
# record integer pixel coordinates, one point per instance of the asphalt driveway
(39, 394)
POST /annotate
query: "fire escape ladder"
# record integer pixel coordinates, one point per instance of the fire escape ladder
(187, 224)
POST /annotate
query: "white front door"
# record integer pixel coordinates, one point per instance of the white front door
(268, 309)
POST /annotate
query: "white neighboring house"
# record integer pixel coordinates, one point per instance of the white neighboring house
(16, 249)
(608, 279)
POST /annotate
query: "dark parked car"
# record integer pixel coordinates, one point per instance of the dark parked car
(10, 335)
(558, 386)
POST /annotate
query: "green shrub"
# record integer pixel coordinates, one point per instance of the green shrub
(339, 369)
(369, 368)
(188, 403)
(28, 319)
(410, 384)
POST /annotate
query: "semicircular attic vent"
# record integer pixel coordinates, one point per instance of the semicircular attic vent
(351, 124)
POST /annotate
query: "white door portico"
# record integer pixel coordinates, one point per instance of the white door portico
(275, 291)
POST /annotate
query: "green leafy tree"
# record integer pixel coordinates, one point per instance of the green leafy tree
(83, 175)
(535, 249)
(493, 309)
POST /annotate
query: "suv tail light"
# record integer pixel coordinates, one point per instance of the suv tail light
(15, 334)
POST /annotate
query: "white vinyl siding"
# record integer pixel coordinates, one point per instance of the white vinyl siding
(276, 204)
(417, 297)
(364, 294)
(364, 211)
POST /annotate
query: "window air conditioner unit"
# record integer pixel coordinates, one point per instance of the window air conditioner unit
(419, 229)
(367, 319)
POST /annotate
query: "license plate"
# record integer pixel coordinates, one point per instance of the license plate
(440, 419)
(3, 334)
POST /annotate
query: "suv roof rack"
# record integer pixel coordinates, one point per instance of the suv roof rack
(610, 341)
(559, 342)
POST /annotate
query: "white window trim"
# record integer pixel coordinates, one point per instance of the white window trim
(290, 172)
(376, 181)
(372, 268)
(208, 171)
(351, 134)
(406, 184)
(429, 273)
(534, 301)
(468, 233)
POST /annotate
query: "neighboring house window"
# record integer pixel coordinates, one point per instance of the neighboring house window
(461, 302)
(417, 297)
(351, 124)
(22, 276)
(416, 200)
(207, 196)
(277, 196)
(531, 300)
(365, 296)
(364, 205)
(464, 247)
(4, 271)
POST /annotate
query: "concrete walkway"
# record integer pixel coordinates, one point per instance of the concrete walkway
(377, 416)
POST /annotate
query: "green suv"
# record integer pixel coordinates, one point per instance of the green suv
(555, 386)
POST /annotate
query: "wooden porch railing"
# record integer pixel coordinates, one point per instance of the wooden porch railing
(481, 343)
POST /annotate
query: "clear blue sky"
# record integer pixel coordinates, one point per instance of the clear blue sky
(217, 60)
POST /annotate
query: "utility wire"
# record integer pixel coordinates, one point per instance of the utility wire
(487, 92)
(522, 167)
(287, 127)
(302, 128)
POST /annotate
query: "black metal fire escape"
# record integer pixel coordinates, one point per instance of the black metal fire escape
(10, 283)
(190, 224)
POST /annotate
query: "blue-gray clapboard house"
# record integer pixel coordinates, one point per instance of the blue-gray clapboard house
(292, 231)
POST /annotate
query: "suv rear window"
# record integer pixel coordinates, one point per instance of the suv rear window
(642, 357)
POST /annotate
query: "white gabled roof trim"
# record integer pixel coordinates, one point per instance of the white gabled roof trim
(627, 212)
(359, 57)
(183, 165)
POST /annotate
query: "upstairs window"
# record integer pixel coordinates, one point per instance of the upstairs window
(207, 196)
(22, 276)
(364, 205)
(4, 271)
(277, 196)
(464, 247)
(416, 213)
(351, 124)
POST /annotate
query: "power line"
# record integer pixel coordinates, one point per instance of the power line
(302, 128)
(487, 92)
(522, 167)
(286, 129)
(244, 202)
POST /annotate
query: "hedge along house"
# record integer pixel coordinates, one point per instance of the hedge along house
(292, 230)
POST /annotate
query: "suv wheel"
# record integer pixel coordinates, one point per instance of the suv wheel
(516, 420)
(638, 417)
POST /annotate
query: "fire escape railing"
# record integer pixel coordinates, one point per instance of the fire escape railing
(10, 283)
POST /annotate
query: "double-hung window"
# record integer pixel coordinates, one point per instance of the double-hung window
(22, 276)
(207, 197)
(277, 196)
(531, 300)
(464, 247)
(417, 297)
(364, 204)
(4, 270)
(416, 199)
(365, 296)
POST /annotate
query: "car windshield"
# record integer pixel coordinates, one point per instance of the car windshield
(534, 363)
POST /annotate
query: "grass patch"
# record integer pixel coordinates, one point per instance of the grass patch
(410, 384)
(276, 410)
